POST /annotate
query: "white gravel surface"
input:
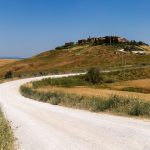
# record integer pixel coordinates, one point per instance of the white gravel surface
(41, 126)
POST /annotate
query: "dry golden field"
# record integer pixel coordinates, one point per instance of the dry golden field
(142, 83)
(89, 91)
(146, 48)
(4, 62)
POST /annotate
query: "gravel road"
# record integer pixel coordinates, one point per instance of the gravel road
(41, 126)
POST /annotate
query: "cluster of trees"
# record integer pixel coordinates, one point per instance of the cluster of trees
(137, 43)
(128, 45)
(66, 46)
(130, 48)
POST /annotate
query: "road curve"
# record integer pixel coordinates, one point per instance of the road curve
(41, 126)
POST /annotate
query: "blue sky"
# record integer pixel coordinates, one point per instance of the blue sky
(28, 27)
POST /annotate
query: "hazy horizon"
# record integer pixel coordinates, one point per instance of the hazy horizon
(29, 27)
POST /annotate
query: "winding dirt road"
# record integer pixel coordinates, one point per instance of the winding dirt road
(41, 126)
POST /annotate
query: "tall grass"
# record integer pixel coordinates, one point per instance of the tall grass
(115, 104)
(65, 82)
(6, 134)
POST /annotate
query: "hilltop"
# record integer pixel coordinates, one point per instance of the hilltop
(104, 52)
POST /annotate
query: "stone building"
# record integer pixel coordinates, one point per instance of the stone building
(103, 40)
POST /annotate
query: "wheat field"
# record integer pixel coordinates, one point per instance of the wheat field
(4, 62)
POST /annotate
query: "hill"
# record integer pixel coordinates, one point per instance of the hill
(147, 48)
(11, 58)
(75, 58)
(4, 61)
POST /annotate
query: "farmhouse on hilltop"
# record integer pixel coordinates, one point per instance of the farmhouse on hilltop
(106, 39)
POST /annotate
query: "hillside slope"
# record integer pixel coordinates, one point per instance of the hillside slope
(78, 58)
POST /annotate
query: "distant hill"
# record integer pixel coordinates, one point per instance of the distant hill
(11, 58)
(75, 58)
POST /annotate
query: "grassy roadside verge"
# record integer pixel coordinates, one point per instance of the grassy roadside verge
(113, 104)
(6, 135)
(106, 78)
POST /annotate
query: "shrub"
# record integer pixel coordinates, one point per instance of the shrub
(140, 108)
(8, 75)
(94, 76)
(54, 101)
(64, 82)
(94, 104)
